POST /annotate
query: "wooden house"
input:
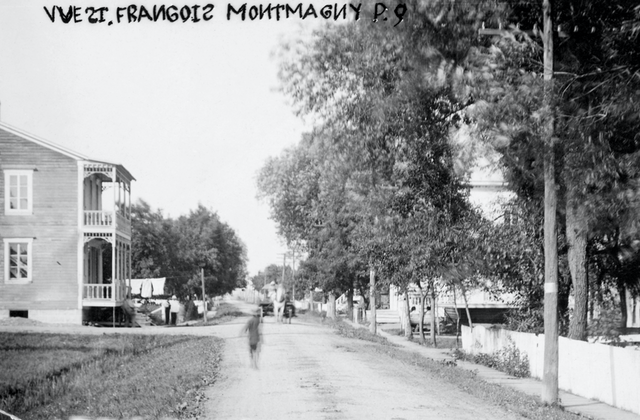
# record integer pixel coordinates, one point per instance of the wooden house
(65, 228)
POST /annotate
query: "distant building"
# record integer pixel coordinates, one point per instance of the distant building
(65, 224)
(488, 190)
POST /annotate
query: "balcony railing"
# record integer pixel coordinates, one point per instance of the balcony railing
(115, 292)
(98, 218)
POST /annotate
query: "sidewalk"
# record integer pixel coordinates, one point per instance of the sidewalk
(582, 406)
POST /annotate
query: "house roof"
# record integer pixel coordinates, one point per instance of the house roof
(61, 149)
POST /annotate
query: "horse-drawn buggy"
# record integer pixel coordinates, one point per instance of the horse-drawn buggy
(277, 304)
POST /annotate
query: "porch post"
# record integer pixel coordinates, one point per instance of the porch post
(114, 253)
(115, 192)
(129, 277)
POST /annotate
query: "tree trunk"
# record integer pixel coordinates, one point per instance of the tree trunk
(466, 303)
(592, 301)
(350, 303)
(408, 332)
(455, 307)
(577, 255)
(423, 298)
(433, 316)
(372, 301)
(364, 293)
(622, 292)
(331, 306)
(421, 327)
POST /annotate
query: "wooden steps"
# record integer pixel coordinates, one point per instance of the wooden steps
(143, 319)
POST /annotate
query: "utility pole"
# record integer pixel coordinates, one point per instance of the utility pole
(204, 301)
(284, 261)
(293, 277)
(550, 364)
(550, 369)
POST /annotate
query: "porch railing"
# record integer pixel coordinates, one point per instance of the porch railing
(98, 218)
(111, 292)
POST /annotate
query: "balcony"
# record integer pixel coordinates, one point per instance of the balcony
(100, 219)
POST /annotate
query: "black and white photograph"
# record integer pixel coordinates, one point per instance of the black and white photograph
(403, 209)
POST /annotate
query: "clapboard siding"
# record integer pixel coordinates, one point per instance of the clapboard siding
(53, 225)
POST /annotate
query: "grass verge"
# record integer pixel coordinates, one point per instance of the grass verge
(344, 329)
(224, 313)
(508, 398)
(442, 341)
(55, 376)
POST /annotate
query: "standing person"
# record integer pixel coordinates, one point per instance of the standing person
(193, 309)
(167, 311)
(253, 328)
(175, 308)
(129, 309)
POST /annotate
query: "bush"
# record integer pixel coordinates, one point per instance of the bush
(509, 360)
(512, 361)
(529, 320)
(606, 327)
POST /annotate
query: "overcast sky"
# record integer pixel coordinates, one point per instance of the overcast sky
(190, 109)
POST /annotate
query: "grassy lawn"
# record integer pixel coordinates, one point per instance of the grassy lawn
(49, 376)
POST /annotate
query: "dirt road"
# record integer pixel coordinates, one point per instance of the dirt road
(306, 371)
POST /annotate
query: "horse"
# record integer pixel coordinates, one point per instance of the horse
(278, 298)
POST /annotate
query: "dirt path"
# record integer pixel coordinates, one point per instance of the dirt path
(308, 372)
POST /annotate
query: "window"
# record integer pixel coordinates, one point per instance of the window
(18, 191)
(18, 261)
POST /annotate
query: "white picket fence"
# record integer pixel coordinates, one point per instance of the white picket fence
(592, 370)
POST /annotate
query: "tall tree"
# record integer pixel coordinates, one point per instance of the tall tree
(178, 249)
(386, 127)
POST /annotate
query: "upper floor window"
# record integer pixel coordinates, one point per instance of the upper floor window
(18, 260)
(18, 191)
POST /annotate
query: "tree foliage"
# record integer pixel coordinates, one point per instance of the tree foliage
(374, 184)
(179, 248)
(379, 182)
(596, 115)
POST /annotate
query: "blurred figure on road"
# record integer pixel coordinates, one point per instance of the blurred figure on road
(255, 336)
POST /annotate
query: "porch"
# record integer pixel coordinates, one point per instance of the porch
(105, 222)
(104, 295)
